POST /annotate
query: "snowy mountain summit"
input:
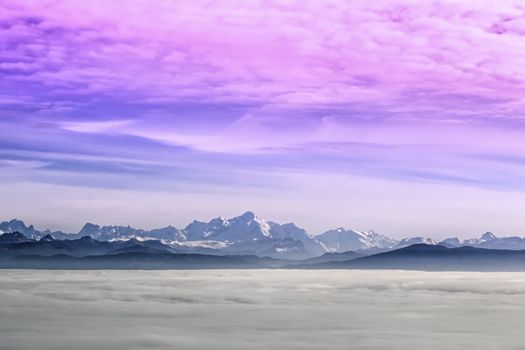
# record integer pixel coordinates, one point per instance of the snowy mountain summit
(341, 240)
(250, 233)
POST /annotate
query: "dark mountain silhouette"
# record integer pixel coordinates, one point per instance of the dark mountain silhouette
(140, 260)
(13, 244)
(332, 257)
(18, 251)
(13, 237)
(438, 258)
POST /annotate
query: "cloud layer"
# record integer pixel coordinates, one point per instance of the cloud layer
(258, 309)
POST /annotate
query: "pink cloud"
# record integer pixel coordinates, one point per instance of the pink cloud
(293, 53)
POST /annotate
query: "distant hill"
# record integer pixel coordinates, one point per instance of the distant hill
(139, 260)
(18, 251)
(437, 258)
(330, 257)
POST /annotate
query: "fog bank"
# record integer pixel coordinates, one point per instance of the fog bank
(260, 309)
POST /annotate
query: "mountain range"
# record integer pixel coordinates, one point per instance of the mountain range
(20, 252)
(249, 234)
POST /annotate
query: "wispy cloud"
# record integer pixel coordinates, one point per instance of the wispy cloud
(102, 127)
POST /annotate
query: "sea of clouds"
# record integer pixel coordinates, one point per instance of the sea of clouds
(260, 309)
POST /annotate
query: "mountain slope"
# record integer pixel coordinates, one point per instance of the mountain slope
(330, 257)
(84, 246)
(13, 237)
(140, 260)
(437, 257)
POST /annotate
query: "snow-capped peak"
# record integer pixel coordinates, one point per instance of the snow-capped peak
(415, 240)
(488, 236)
(47, 238)
(248, 216)
(341, 240)
(251, 234)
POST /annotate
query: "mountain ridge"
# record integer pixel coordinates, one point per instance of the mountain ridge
(88, 253)
(250, 234)
(427, 257)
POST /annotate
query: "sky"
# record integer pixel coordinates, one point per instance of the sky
(405, 117)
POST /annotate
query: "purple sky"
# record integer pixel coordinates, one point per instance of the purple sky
(402, 116)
